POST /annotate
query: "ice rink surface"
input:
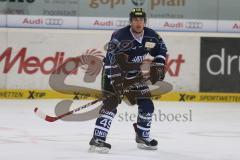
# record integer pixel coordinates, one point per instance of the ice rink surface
(191, 131)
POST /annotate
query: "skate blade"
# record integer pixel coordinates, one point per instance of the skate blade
(144, 146)
(95, 149)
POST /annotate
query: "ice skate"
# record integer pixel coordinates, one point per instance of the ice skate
(145, 143)
(99, 146)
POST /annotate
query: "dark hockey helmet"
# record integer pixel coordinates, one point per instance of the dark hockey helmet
(137, 12)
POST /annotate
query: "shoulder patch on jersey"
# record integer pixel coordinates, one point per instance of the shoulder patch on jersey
(159, 37)
(150, 45)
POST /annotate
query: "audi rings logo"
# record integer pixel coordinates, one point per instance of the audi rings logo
(54, 21)
(121, 23)
(194, 25)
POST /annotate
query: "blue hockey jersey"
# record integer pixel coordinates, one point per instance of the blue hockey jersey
(123, 41)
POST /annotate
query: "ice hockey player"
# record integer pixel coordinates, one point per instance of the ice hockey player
(126, 51)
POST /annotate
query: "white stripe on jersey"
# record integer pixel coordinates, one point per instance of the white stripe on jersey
(101, 128)
(143, 128)
(144, 117)
(106, 116)
(109, 67)
(114, 75)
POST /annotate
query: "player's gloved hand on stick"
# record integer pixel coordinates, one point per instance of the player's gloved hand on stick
(117, 84)
(130, 97)
(133, 95)
(120, 83)
(157, 72)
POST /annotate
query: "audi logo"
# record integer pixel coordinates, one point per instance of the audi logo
(53, 21)
(194, 25)
(121, 23)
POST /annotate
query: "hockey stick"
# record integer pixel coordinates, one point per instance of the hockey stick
(48, 118)
(167, 88)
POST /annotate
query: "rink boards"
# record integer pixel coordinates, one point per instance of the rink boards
(198, 64)
(171, 96)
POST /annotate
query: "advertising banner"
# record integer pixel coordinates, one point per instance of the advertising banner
(110, 8)
(44, 7)
(33, 55)
(42, 22)
(164, 9)
(173, 9)
(220, 64)
(163, 15)
(183, 25)
(102, 23)
(183, 9)
(182, 61)
(229, 26)
(176, 25)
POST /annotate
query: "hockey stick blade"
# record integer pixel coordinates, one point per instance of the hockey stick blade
(43, 116)
(48, 118)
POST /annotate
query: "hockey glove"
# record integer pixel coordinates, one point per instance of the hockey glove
(117, 84)
(130, 97)
(157, 72)
(133, 95)
(139, 92)
(120, 83)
